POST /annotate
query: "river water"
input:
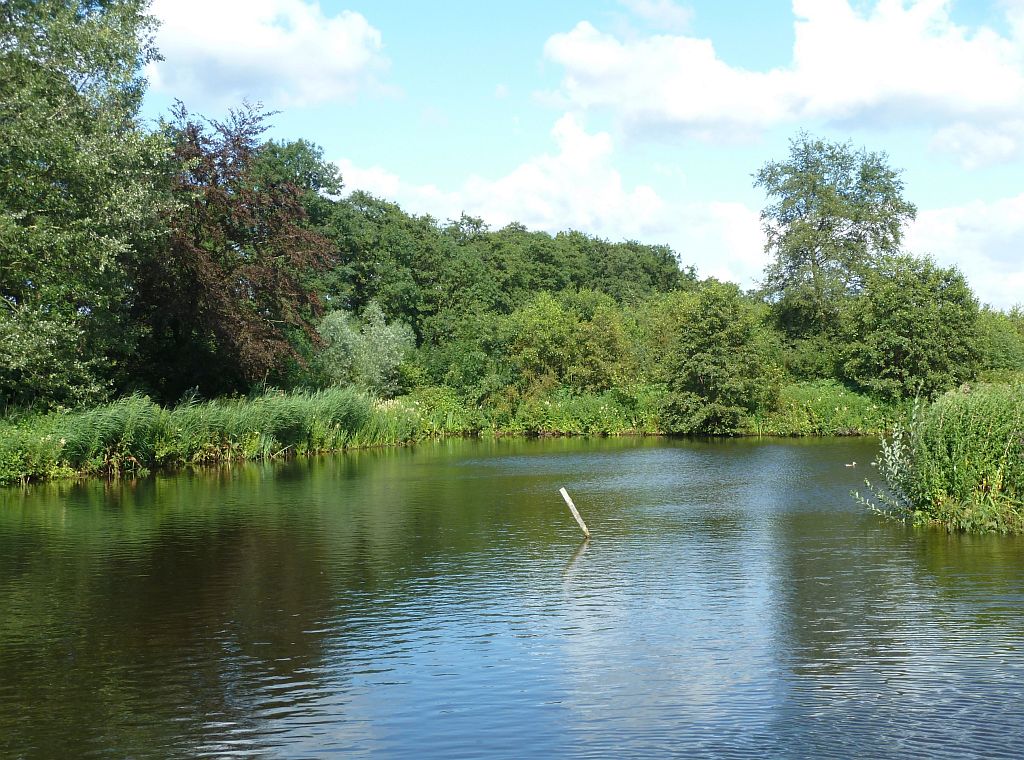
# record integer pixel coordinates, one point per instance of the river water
(438, 601)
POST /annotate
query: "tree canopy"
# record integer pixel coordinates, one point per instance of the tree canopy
(832, 212)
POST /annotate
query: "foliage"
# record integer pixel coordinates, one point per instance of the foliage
(42, 364)
(1001, 339)
(81, 188)
(913, 330)
(818, 356)
(959, 463)
(222, 302)
(368, 353)
(614, 412)
(722, 370)
(825, 407)
(835, 210)
(299, 164)
(133, 435)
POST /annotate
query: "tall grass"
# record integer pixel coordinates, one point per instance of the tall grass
(959, 462)
(135, 434)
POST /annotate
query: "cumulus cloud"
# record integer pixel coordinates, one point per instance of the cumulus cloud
(578, 187)
(896, 62)
(985, 240)
(663, 14)
(280, 52)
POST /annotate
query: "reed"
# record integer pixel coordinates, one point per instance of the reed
(134, 434)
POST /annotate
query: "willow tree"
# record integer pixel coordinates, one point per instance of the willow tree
(832, 212)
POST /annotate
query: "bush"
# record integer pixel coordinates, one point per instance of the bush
(959, 463)
(825, 407)
(913, 331)
(722, 371)
(369, 353)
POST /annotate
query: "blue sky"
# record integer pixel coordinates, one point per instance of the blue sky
(639, 119)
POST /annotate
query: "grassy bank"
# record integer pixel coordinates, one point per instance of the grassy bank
(135, 435)
(959, 462)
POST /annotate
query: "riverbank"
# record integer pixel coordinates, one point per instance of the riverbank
(134, 435)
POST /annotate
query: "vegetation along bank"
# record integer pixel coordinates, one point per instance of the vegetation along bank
(156, 280)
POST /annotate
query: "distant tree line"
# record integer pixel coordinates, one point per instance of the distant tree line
(199, 258)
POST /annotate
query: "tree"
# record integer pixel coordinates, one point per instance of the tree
(1001, 340)
(722, 369)
(301, 164)
(834, 211)
(367, 352)
(81, 183)
(914, 329)
(229, 296)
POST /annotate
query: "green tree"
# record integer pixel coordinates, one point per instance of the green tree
(914, 329)
(42, 362)
(300, 164)
(540, 341)
(367, 352)
(1001, 340)
(81, 183)
(722, 370)
(833, 212)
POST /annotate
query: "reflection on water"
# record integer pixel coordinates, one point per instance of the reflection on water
(438, 601)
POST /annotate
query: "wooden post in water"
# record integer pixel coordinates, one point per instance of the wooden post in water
(575, 513)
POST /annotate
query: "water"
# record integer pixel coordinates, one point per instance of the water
(439, 602)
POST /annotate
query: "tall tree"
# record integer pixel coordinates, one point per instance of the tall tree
(833, 211)
(230, 297)
(80, 181)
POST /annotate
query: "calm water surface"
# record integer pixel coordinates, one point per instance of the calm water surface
(438, 602)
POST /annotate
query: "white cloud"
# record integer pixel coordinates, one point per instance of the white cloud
(899, 62)
(978, 144)
(985, 240)
(280, 52)
(664, 14)
(578, 187)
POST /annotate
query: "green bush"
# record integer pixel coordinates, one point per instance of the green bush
(723, 370)
(825, 407)
(959, 463)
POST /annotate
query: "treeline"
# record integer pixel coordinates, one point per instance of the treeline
(196, 259)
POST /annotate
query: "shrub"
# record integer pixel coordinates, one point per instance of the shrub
(959, 462)
(722, 370)
(825, 407)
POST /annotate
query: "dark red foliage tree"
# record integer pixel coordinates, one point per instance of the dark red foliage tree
(227, 300)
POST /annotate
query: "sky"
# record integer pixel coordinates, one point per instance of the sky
(632, 119)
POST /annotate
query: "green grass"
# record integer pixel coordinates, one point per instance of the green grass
(959, 463)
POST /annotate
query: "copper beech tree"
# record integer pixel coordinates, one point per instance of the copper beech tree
(228, 301)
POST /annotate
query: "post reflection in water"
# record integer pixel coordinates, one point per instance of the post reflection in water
(438, 601)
